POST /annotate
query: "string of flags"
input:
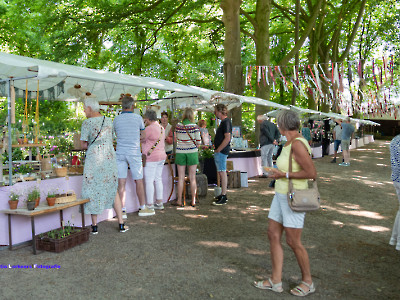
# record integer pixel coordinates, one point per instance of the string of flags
(364, 87)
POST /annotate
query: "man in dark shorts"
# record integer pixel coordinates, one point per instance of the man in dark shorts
(222, 147)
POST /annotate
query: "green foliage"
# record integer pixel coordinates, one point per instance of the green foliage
(60, 232)
(206, 153)
(14, 196)
(33, 194)
(22, 169)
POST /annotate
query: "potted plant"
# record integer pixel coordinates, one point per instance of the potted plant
(34, 197)
(51, 197)
(13, 202)
(63, 238)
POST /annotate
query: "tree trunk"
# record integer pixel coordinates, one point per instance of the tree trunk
(261, 34)
(233, 74)
(296, 38)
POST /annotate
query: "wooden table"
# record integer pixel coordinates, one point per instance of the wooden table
(43, 209)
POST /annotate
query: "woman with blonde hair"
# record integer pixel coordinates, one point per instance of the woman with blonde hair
(188, 140)
(281, 217)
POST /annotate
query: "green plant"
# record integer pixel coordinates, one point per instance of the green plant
(14, 196)
(62, 232)
(51, 193)
(206, 153)
(33, 194)
(23, 169)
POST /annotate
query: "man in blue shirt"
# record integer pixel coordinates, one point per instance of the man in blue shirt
(128, 127)
(347, 136)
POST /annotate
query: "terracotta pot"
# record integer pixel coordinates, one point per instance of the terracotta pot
(51, 201)
(13, 204)
(30, 205)
(37, 202)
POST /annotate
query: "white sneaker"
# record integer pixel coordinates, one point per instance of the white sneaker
(159, 206)
(146, 212)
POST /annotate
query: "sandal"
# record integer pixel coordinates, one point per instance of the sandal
(175, 203)
(298, 291)
(277, 287)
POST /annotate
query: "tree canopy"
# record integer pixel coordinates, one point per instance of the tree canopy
(189, 42)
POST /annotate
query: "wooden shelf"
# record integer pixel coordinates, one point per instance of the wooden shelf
(25, 145)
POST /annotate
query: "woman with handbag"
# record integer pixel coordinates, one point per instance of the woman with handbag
(188, 140)
(154, 151)
(281, 217)
(100, 179)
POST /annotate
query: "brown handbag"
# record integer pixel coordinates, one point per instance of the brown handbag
(302, 200)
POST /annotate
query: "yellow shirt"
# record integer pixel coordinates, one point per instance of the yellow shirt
(282, 185)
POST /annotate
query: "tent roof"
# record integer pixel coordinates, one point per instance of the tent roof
(208, 98)
(57, 80)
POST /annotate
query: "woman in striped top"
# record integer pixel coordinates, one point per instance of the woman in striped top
(188, 140)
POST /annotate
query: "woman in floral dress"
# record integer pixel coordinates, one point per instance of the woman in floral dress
(100, 180)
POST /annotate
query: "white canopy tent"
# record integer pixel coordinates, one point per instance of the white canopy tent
(60, 82)
(31, 77)
(208, 98)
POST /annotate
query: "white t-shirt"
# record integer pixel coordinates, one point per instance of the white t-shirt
(338, 132)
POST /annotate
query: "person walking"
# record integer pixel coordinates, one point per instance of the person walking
(222, 147)
(347, 136)
(269, 136)
(281, 217)
(100, 172)
(395, 163)
(306, 133)
(128, 127)
(337, 136)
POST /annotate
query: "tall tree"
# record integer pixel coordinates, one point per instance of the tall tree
(233, 74)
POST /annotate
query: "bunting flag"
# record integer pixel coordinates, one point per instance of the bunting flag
(360, 86)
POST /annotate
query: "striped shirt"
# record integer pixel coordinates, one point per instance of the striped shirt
(127, 127)
(184, 143)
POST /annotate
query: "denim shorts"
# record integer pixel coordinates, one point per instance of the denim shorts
(336, 145)
(281, 212)
(135, 164)
(220, 161)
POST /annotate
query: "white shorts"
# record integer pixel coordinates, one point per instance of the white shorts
(135, 164)
(281, 212)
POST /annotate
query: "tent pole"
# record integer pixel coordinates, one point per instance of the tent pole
(9, 135)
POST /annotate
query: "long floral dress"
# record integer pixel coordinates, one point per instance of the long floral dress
(100, 177)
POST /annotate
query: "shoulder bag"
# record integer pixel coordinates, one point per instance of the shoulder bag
(302, 200)
(144, 156)
(102, 123)
(190, 136)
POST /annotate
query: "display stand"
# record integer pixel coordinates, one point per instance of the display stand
(41, 210)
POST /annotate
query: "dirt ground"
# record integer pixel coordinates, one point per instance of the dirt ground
(217, 252)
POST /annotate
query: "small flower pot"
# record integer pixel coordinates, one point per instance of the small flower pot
(37, 202)
(30, 205)
(51, 201)
(13, 204)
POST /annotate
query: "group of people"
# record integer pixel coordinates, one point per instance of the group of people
(343, 133)
(143, 145)
(145, 140)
